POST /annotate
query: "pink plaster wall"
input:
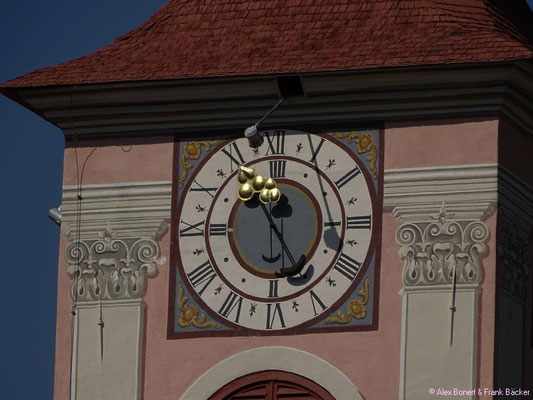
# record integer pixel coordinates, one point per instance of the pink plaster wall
(457, 142)
(63, 328)
(370, 359)
(441, 143)
(114, 161)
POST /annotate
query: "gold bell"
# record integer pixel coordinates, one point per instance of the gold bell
(246, 192)
(245, 174)
(270, 183)
(258, 183)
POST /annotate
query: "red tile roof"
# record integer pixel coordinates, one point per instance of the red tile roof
(213, 38)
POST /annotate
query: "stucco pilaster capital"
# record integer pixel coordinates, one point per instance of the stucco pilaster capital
(434, 251)
(112, 232)
(441, 210)
(108, 268)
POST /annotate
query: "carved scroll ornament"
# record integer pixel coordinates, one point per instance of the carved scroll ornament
(432, 250)
(109, 268)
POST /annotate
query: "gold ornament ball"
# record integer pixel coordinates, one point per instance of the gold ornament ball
(241, 178)
(264, 196)
(270, 184)
(245, 174)
(275, 194)
(258, 183)
(246, 192)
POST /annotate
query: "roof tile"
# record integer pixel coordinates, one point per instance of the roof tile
(208, 38)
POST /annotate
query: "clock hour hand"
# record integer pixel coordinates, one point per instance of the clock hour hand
(297, 266)
(272, 259)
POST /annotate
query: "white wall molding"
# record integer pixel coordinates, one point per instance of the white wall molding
(273, 358)
(132, 210)
(416, 194)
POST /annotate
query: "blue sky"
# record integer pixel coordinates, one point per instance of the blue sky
(36, 34)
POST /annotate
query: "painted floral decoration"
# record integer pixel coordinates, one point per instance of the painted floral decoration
(356, 308)
(364, 143)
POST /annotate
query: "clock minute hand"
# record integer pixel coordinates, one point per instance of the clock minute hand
(296, 267)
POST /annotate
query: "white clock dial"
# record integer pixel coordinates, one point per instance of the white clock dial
(230, 254)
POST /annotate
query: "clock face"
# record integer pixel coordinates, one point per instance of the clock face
(232, 253)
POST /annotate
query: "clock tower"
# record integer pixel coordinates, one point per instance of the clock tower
(370, 238)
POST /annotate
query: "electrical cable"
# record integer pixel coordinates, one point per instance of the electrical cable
(77, 239)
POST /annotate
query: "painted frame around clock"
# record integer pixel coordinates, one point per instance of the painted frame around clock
(304, 328)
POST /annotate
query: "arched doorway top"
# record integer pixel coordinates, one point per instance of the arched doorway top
(272, 385)
(273, 358)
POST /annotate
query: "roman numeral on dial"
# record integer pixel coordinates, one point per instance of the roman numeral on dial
(316, 300)
(313, 149)
(203, 273)
(276, 142)
(273, 288)
(217, 229)
(277, 168)
(347, 178)
(274, 314)
(359, 222)
(232, 302)
(200, 188)
(234, 154)
(347, 266)
(192, 229)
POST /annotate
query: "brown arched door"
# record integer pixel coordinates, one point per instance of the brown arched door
(272, 385)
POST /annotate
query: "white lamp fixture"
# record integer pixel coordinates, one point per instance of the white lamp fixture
(255, 139)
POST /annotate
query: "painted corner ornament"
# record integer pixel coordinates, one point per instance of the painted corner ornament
(193, 150)
(190, 314)
(356, 308)
(364, 143)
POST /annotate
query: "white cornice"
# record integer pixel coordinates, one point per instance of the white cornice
(415, 194)
(210, 105)
(132, 210)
